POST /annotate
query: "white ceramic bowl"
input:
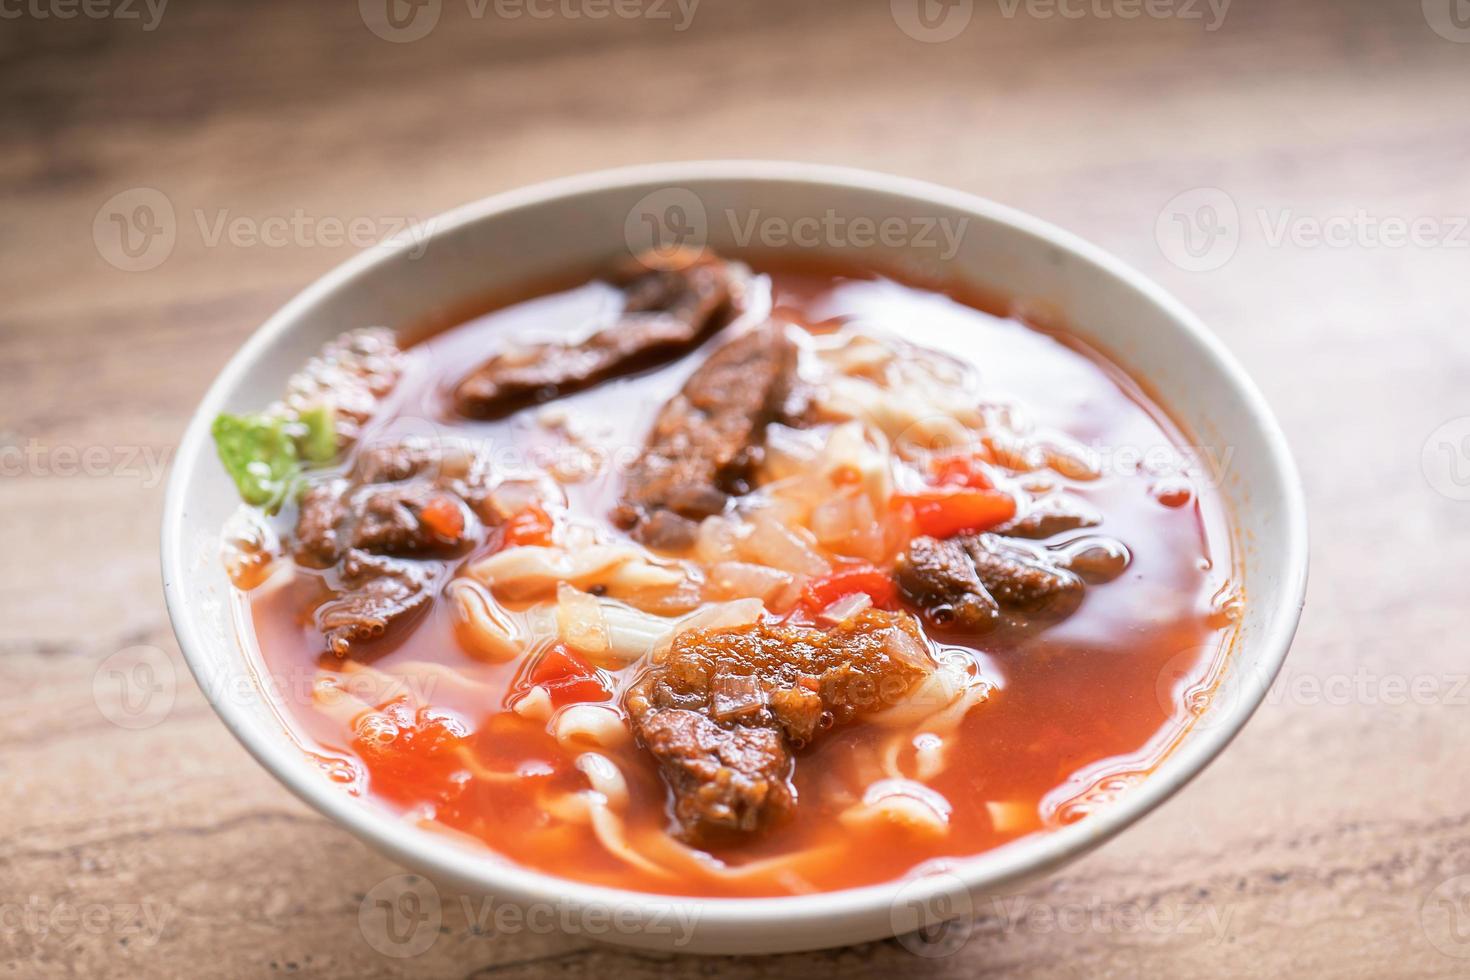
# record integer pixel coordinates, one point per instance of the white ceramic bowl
(527, 234)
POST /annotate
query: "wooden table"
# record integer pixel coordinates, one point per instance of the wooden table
(1324, 843)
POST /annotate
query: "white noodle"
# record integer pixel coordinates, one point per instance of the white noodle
(609, 829)
(489, 632)
(606, 778)
(420, 680)
(527, 571)
(332, 700)
(478, 770)
(579, 725)
(910, 805)
(535, 704)
(938, 691)
(929, 756)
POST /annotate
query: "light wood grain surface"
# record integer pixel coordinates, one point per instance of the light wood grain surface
(1326, 842)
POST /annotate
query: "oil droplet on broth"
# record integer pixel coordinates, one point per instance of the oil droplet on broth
(338, 770)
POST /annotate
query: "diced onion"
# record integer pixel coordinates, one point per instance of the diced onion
(737, 695)
(745, 580)
(772, 543)
(631, 633)
(579, 621)
(721, 615)
(903, 648)
(841, 610)
(715, 541)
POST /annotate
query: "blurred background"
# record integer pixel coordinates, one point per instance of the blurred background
(171, 172)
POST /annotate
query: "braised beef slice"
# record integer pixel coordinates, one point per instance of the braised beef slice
(379, 592)
(707, 440)
(392, 522)
(1050, 515)
(1023, 579)
(665, 313)
(939, 577)
(405, 498)
(723, 778)
(971, 580)
(351, 373)
(389, 462)
(321, 525)
(408, 499)
(724, 709)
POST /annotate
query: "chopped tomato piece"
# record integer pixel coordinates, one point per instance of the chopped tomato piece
(566, 677)
(410, 753)
(444, 517)
(577, 691)
(529, 526)
(960, 470)
(822, 592)
(946, 511)
(557, 664)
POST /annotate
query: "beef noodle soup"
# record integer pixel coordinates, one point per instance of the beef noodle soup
(713, 578)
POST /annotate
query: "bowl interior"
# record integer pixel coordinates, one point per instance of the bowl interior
(537, 233)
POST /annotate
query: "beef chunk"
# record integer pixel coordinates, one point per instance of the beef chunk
(969, 581)
(321, 526)
(351, 373)
(707, 439)
(724, 709)
(378, 592)
(404, 520)
(939, 577)
(727, 778)
(406, 498)
(665, 313)
(1023, 579)
(403, 459)
(1050, 515)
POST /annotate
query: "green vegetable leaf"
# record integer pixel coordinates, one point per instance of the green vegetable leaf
(319, 442)
(260, 455)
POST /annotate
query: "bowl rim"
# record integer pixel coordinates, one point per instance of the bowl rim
(444, 859)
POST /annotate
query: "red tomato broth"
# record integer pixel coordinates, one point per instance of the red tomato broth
(1081, 697)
